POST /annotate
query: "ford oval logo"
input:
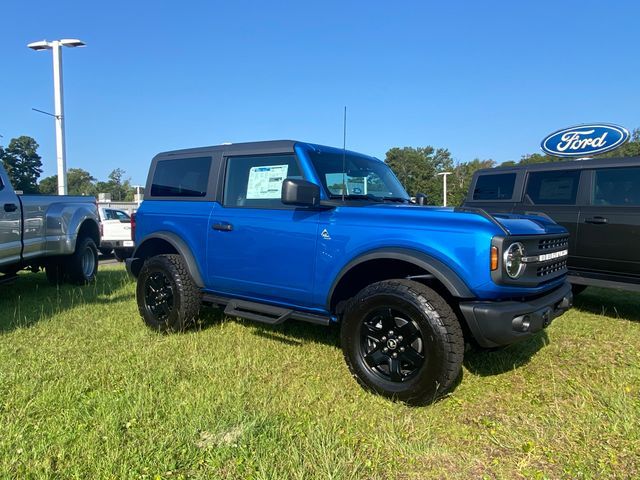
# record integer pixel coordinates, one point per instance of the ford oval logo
(584, 140)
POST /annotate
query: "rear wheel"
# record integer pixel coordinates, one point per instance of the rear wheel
(82, 266)
(168, 298)
(402, 340)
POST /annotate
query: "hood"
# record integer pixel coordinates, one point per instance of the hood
(514, 224)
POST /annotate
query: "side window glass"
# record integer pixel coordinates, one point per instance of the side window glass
(181, 177)
(256, 181)
(553, 188)
(494, 187)
(617, 186)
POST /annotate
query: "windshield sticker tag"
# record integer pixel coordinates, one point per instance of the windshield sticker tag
(266, 181)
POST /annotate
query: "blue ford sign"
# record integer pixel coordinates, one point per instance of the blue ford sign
(582, 140)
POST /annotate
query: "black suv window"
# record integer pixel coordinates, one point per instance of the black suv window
(553, 188)
(494, 187)
(617, 186)
(256, 181)
(181, 177)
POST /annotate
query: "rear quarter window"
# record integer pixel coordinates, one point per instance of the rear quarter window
(181, 177)
(497, 186)
(553, 188)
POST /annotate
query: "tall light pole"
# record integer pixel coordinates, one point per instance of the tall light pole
(444, 187)
(56, 47)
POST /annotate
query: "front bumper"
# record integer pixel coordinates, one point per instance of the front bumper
(495, 324)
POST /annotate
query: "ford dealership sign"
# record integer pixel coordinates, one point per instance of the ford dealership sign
(583, 140)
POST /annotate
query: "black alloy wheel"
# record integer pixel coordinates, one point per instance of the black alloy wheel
(158, 296)
(392, 344)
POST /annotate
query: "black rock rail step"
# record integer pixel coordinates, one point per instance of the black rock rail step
(260, 312)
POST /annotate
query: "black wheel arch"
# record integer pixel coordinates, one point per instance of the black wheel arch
(413, 262)
(160, 243)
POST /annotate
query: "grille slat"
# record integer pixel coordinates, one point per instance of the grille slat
(553, 243)
(551, 268)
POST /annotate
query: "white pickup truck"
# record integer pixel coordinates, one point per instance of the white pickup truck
(58, 233)
(116, 234)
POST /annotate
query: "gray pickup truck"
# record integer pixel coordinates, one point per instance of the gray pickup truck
(60, 234)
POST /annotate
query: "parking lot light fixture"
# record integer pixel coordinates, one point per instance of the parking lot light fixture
(56, 47)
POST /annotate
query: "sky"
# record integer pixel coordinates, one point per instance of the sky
(484, 79)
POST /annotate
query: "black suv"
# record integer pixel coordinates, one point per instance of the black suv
(598, 201)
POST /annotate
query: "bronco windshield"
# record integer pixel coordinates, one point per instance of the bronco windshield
(361, 177)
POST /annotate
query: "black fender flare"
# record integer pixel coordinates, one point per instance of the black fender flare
(134, 264)
(445, 274)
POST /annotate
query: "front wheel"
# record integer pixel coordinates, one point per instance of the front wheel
(402, 340)
(168, 298)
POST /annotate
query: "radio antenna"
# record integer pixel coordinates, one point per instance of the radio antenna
(344, 153)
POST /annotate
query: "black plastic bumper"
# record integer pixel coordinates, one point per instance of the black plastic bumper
(501, 323)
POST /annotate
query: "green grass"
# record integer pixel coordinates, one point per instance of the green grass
(86, 391)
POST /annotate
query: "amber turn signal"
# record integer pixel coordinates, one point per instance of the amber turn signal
(494, 258)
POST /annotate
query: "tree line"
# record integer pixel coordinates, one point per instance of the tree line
(417, 169)
(24, 167)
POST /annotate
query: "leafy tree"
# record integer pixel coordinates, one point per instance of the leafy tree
(417, 169)
(22, 163)
(120, 188)
(80, 182)
(48, 185)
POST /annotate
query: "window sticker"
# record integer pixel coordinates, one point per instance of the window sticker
(266, 181)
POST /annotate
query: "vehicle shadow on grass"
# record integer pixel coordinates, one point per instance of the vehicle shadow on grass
(32, 298)
(487, 362)
(609, 302)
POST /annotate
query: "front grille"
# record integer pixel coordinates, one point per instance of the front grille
(554, 243)
(537, 272)
(551, 268)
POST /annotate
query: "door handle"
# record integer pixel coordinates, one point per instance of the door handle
(596, 220)
(10, 207)
(222, 226)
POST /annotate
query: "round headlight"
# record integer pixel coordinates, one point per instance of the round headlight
(513, 264)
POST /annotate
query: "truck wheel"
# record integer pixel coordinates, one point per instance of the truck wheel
(168, 298)
(402, 340)
(82, 266)
(121, 254)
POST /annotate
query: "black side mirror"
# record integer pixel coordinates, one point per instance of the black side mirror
(302, 193)
(421, 198)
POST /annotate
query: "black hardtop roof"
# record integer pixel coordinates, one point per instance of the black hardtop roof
(568, 165)
(254, 148)
(245, 147)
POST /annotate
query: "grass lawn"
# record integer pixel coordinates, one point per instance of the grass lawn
(87, 391)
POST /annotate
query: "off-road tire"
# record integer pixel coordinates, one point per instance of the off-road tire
(186, 296)
(81, 267)
(441, 337)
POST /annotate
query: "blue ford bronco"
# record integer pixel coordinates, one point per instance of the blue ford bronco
(280, 230)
